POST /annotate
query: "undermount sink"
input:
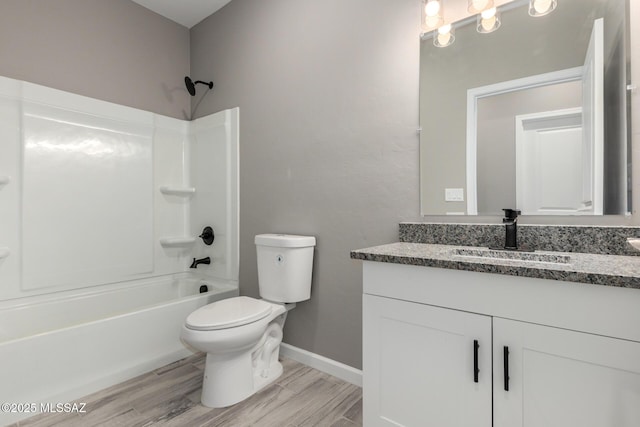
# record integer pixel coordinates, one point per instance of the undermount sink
(536, 257)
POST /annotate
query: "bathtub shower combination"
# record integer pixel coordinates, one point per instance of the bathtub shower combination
(101, 211)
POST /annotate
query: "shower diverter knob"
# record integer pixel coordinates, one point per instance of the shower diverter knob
(207, 236)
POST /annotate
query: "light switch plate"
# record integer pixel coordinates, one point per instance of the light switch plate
(454, 195)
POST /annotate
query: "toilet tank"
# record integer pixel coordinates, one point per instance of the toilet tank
(285, 262)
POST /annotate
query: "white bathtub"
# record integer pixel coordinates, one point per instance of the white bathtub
(63, 348)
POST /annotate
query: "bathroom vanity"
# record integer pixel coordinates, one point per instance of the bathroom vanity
(457, 336)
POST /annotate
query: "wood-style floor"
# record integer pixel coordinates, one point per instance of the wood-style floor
(170, 396)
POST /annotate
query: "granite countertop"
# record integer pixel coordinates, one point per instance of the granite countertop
(597, 269)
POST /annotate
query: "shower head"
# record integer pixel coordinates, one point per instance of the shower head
(191, 85)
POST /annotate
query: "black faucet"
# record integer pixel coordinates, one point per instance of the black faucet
(510, 220)
(197, 262)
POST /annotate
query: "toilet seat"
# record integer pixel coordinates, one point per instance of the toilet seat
(228, 313)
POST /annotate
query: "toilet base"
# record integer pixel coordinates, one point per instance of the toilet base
(274, 373)
(234, 369)
(232, 377)
(228, 381)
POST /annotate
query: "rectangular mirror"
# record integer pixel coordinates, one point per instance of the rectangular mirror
(532, 116)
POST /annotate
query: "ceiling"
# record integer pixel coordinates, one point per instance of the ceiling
(184, 12)
(189, 12)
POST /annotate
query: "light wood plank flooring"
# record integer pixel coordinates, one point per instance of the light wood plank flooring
(170, 396)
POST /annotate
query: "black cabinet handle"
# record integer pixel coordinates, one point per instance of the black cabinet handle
(476, 346)
(506, 367)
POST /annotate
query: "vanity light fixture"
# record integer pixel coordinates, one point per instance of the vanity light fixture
(477, 6)
(444, 36)
(488, 21)
(432, 16)
(541, 7)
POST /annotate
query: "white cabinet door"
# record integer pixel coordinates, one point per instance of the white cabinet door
(561, 378)
(418, 365)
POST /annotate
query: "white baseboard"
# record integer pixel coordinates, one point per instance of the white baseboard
(324, 364)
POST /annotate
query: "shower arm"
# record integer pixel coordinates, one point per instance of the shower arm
(210, 84)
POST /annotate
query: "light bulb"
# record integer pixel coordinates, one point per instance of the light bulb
(488, 21)
(489, 13)
(445, 29)
(444, 36)
(433, 21)
(443, 39)
(432, 17)
(476, 6)
(479, 4)
(541, 6)
(432, 8)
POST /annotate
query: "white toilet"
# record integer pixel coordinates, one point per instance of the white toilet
(242, 335)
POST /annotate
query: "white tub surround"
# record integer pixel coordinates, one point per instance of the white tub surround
(101, 209)
(93, 193)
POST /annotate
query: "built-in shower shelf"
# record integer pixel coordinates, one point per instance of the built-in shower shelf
(177, 191)
(4, 252)
(4, 180)
(176, 242)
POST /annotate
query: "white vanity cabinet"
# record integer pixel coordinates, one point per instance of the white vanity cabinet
(420, 368)
(572, 350)
(563, 378)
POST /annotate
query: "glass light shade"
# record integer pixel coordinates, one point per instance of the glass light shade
(477, 6)
(444, 36)
(431, 14)
(541, 7)
(489, 21)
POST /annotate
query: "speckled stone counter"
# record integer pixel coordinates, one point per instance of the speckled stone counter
(608, 270)
(610, 240)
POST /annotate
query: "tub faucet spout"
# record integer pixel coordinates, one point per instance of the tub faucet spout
(197, 262)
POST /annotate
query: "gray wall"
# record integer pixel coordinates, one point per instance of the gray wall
(328, 97)
(114, 50)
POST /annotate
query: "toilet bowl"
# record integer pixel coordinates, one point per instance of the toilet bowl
(242, 335)
(241, 345)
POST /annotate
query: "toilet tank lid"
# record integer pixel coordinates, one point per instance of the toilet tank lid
(285, 240)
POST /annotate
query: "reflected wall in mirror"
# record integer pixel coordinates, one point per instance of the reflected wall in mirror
(532, 116)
